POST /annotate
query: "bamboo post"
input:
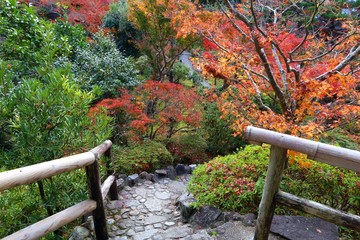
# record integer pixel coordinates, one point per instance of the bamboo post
(272, 183)
(113, 189)
(93, 178)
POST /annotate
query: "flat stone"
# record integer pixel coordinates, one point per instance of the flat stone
(154, 219)
(153, 205)
(145, 234)
(177, 232)
(207, 215)
(110, 221)
(176, 187)
(132, 179)
(201, 235)
(131, 232)
(167, 211)
(132, 203)
(121, 238)
(232, 216)
(169, 224)
(192, 167)
(115, 204)
(162, 195)
(139, 229)
(79, 233)
(134, 213)
(157, 225)
(149, 227)
(142, 200)
(299, 228)
(120, 232)
(161, 172)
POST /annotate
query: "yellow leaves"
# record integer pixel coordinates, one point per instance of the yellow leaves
(300, 159)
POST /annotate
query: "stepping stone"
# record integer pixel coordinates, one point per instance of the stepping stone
(154, 219)
(300, 228)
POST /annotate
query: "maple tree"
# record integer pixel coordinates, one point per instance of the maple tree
(277, 74)
(88, 13)
(154, 108)
(158, 37)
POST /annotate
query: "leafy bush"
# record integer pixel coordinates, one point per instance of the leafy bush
(219, 135)
(22, 206)
(48, 120)
(148, 156)
(235, 182)
(180, 72)
(124, 32)
(188, 148)
(341, 138)
(101, 64)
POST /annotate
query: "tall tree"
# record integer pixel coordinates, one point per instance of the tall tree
(278, 74)
(155, 20)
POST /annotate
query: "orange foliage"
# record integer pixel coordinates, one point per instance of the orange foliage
(282, 78)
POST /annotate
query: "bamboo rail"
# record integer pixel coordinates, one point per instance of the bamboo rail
(53, 222)
(280, 143)
(34, 173)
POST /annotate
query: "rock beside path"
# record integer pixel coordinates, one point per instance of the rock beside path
(300, 228)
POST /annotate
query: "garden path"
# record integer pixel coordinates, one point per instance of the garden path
(149, 211)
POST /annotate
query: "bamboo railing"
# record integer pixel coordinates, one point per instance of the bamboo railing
(280, 143)
(97, 193)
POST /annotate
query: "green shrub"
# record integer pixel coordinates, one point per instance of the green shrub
(101, 64)
(147, 156)
(235, 182)
(188, 148)
(22, 206)
(340, 137)
(219, 135)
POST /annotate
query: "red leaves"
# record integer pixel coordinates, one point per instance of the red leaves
(155, 108)
(88, 13)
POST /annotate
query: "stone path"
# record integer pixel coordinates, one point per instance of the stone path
(148, 211)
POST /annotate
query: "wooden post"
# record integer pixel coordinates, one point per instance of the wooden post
(93, 178)
(272, 183)
(113, 189)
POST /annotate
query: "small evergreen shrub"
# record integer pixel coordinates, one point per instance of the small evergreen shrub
(146, 156)
(189, 148)
(235, 182)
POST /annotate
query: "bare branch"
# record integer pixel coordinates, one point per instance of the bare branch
(240, 16)
(281, 69)
(354, 51)
(308, 24)
(255, 19)
(258, 93)
(324, 53)
(232, 21)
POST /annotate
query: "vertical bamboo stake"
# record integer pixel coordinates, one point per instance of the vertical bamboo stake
(272, 183)
(113, 189)
(93, 178)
